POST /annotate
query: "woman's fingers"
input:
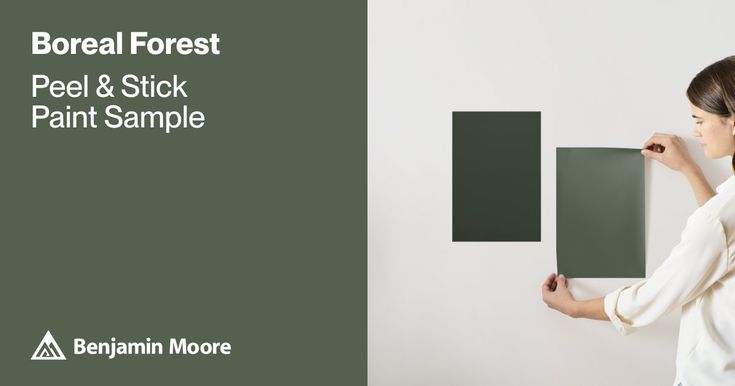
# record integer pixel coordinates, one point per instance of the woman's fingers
(652, 154)
(660, 139)
(669, 149)
(548, 282)
(651, 141)
(563, 280)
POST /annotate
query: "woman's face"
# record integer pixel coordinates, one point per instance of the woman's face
(716, 134)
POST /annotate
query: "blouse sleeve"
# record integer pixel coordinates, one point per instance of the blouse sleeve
(697, 262)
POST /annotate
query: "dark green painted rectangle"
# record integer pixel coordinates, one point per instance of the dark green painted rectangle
(251, 230)
(496, 176)
(600, 218)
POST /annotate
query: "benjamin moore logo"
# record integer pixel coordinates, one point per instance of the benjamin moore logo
(48, 350)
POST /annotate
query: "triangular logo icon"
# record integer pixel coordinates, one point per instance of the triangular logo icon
(48, 350)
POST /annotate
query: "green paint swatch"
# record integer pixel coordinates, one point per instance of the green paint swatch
(496, 176)
(600, 229)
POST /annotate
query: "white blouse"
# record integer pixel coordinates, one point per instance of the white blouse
(699, 277)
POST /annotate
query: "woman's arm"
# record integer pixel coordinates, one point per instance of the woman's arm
(590, 309)
(676, 157)
(702, 190)
(555, 293)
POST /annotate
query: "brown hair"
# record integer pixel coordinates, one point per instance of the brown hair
(713, 89)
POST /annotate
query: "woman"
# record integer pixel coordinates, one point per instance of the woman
(698, 276)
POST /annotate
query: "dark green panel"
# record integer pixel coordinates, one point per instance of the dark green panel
(496, 176)
(251, 230)
(600, 203)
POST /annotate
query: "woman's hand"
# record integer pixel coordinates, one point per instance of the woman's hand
(556, 295)
(676, 157)
(675, 154)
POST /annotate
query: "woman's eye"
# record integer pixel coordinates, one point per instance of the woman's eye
(699, 123)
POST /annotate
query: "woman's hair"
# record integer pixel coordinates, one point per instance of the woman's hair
(713, 89)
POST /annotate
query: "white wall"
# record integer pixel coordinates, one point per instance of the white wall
(470, 313)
